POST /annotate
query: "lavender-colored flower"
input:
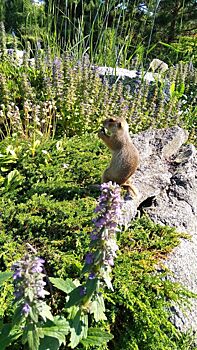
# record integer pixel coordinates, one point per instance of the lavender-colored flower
(93, 236)
(92, 276)
(110, 261)
(18, 294)
(28, 282)
(26, 309)
(109, 206)
(58, 81)
(103, 237)
(89, 258)
(37, 265)
(17, 274)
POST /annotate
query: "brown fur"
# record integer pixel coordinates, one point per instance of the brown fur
(125, 156)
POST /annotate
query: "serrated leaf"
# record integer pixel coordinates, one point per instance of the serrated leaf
(4, 276)
(57, 329)
(33, 338)
(96, 337)
(45, 313)
(34, 313)
(65, 285)
(79, 328)
(97, 307)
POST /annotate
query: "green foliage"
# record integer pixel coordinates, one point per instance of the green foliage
(113, 33)
(51, 207)
(23, 18)
(184, 48)
(33, 103)
(48, 182)
(35, 335)
(4, 276)
(55, 199)
(139, 317)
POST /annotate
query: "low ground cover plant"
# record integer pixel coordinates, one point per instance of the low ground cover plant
(48, 199)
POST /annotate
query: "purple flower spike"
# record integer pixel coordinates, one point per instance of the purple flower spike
(26, 309)
(89, 258)
(28, 282)
(103, 237)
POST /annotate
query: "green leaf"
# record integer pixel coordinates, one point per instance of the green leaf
(79, 328)
(49, 343)
(97, 307)
(75, 297)
(86, 268)
(181, 89)
(8, 334)
(18, 316)
(12, 176)
(33, 340)
(65, 285)
(96, 337)
(32, 335)
(91, 286)
(56, 329)
(34, 313)
(45, 312)
(4, 276)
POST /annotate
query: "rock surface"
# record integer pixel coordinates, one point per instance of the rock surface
(167, 184)
(122, 74)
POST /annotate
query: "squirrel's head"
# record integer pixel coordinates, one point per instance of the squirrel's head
(115, 125)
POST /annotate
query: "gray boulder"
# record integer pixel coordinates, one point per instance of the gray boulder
(167, 185)
(122, 74)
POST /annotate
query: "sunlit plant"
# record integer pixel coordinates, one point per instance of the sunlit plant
(86, 298)
(32, 320)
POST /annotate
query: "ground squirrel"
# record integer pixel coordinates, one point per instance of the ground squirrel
(125, 156)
